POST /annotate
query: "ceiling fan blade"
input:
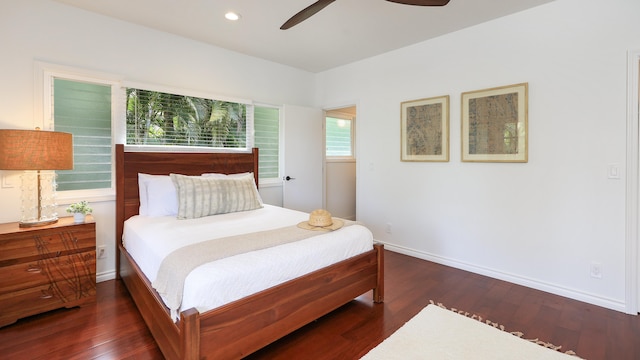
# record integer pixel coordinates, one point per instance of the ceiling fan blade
(422, 2)
(305, 13)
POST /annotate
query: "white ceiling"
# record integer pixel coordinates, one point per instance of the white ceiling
(344, 32)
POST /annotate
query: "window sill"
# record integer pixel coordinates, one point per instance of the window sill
(275, 182)
(96, 195)
(340, 159)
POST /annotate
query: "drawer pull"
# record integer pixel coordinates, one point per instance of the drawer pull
(34, 269)
(46, 295)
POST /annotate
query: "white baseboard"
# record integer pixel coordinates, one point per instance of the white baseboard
(512, 278)
(107, 275)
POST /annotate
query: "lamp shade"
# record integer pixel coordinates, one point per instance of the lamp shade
(35, 150)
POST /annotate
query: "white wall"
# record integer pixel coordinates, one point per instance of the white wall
(42, 30)
(541, 223)
(340, 188)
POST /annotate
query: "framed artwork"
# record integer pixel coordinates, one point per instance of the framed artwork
(424, 134)
(494, 124)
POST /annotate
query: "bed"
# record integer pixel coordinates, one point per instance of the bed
(236, 329)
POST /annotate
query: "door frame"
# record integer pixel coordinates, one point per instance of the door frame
(324, 146)
(632, 288)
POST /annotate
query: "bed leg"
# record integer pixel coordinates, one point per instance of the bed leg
(190, 334)
(378, 291)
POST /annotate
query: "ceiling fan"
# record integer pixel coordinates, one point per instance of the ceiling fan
(321, 4)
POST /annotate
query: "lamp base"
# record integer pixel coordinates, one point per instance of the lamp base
(28, 224)
(38, 198)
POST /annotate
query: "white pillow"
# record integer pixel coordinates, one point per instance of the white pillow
(142, 191)
(200, 196)
(158, 195)
(162, 198)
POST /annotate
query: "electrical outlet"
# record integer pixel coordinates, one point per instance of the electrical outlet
(102, 252)
(388, 228)
(596, 270)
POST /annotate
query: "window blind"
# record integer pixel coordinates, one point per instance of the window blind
(160, 118)
(84, 110)
(267, 139)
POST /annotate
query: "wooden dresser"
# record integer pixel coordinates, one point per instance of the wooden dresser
(45, 268)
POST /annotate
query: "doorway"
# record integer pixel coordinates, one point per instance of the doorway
(339, 175)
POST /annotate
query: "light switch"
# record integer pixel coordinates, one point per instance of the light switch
(7, 182)
(614, 171)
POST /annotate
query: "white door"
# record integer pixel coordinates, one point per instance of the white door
(302, 158)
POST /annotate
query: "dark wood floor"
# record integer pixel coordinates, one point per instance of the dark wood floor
(113, 329)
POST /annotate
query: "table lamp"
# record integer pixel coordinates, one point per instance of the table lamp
(38, 153)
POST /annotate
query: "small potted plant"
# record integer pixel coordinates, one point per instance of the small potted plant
(79, 210)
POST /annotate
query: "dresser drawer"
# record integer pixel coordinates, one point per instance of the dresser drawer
(40, 272)
(42, 298)
(44, 244)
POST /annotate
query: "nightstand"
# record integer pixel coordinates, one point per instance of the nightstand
(46, 267)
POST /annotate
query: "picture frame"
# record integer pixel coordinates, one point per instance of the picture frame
(495, 124)
(424, 129)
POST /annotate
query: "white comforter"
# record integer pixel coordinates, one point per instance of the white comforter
(150, 239)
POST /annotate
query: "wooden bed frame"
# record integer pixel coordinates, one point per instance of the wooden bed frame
(237, 329)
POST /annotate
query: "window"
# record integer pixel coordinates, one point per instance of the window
(161, 118)
(168, 119)
(339, 139)
(82, 103)
(84, 110)
(267, 139)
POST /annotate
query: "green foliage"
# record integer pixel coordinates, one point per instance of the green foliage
(155, 118)
(81, 207)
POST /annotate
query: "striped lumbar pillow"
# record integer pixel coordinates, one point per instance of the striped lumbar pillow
(202, 196)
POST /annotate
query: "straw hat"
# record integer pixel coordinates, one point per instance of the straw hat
(321, 220)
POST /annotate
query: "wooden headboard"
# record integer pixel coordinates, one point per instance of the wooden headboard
(129, 164)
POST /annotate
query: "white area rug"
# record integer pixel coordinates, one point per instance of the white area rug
(438, 333)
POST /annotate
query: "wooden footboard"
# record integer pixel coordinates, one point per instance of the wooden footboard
(155, 314)
(237, 329)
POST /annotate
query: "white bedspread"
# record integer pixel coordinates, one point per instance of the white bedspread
(150, 239)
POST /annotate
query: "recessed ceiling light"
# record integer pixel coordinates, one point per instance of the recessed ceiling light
(232, 16)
